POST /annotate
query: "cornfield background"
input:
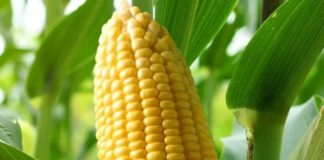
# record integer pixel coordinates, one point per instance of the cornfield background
(271, 50)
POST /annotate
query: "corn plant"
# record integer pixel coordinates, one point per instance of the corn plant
(162, 79)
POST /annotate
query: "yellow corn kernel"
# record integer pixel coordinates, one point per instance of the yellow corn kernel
(146, 103)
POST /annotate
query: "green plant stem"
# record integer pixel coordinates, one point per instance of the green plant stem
(66, 143)
(264, 131)
(45, 124)
(267, 141)
(268, 7)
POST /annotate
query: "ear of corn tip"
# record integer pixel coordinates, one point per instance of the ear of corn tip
(146, 103)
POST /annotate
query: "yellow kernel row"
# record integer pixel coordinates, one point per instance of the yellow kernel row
(147, 106)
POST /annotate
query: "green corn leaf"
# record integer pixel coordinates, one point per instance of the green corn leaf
(178, 18)
(10, 53)
(319, 101)
(10, 132)
(209, 19)
(278, 58)
(70, 43)
(10, 138)
(271, 72)
(314, 83)
(215, 56)
(8, 152)
(54, 12)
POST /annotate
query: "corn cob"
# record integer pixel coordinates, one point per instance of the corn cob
(146, 103)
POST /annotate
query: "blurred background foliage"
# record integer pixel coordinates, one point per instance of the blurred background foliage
(26, 30)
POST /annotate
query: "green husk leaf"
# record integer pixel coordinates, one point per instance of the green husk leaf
(178, 18)
(209, 19)
(188, 24)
